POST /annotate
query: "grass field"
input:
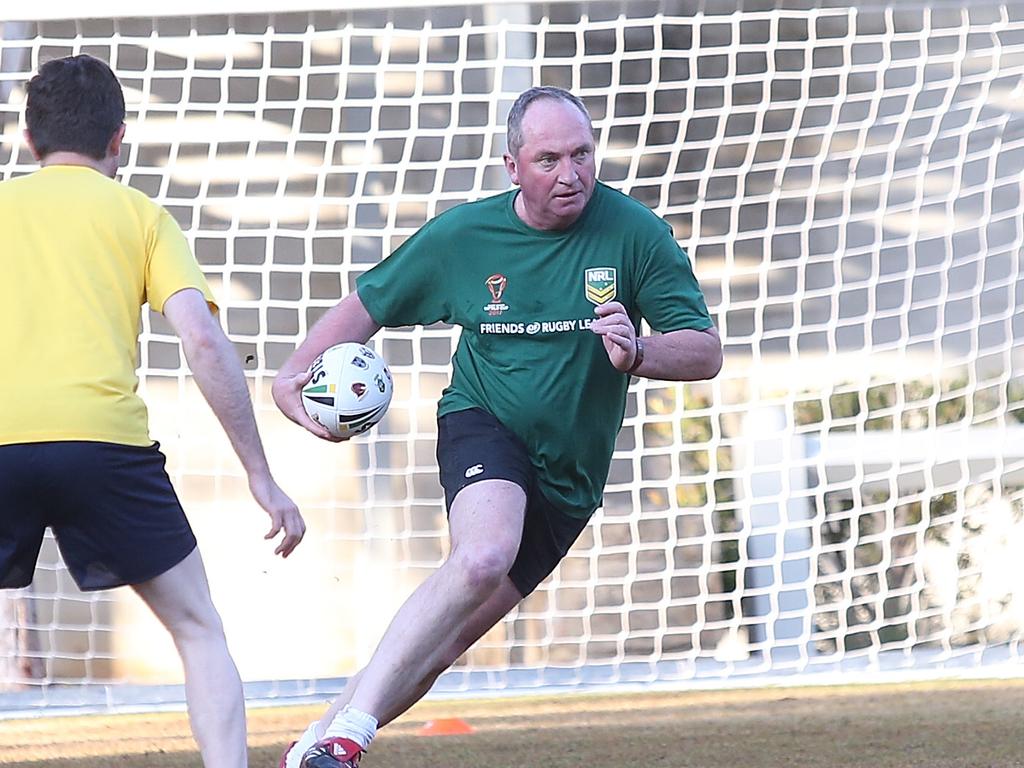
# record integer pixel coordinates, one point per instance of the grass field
(975, 724)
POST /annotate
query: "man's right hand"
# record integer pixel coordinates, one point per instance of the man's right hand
(284, 513)
(347, 320)
(287, 393)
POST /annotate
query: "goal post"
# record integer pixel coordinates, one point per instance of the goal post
(844, 501)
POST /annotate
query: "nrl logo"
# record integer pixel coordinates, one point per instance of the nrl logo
(599, 284)
(496, 284)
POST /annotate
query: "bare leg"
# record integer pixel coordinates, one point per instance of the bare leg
(486, 522)
(180, 598)
(502, 600)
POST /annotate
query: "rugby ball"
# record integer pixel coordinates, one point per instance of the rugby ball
(349, 389)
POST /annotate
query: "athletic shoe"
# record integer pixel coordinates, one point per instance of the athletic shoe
(284, 757)
(333, 752)
(293, 755)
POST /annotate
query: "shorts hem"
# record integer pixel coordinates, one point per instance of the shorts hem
(520, 587)
(4, 585)
(134, 581)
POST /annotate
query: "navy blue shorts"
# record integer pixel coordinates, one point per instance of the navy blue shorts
(472, 445)
(113, 511)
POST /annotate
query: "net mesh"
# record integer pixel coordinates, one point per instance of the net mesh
(846, 495)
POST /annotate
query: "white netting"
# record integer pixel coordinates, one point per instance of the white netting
(847, 179)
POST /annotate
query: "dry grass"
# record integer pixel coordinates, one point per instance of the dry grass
(975, 724)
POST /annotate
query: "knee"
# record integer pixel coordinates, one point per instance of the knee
(483, 568)
(198, 622)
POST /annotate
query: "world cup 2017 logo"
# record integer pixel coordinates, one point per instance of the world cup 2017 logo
(496, 284)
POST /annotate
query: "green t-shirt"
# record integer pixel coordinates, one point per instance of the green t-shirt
(525, 299)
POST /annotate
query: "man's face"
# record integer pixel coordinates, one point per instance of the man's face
(555, 168)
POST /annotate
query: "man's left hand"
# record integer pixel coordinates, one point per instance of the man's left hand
(618, 334)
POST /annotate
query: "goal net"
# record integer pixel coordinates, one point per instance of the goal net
(845, 498)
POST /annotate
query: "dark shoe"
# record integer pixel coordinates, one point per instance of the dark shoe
(332, 753)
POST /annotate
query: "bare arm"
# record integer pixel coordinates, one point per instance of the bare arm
(347, 320)
(684, 355)
(681, 356)
(219, 376)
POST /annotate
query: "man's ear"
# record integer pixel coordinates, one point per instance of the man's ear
(114, 147)
(511, 167)
(31, 145)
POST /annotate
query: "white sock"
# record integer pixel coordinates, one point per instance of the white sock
(306, 740)
(353, 724)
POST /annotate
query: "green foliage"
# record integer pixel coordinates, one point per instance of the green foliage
(1015, 400)
(925, 404)
(881, 397)
(872, 531)
(951, 410)
(808, 412)
(844, 405)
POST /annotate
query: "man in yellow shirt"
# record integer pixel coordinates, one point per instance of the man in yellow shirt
(81, 255)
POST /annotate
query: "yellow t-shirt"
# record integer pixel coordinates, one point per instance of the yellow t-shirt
(79, 255)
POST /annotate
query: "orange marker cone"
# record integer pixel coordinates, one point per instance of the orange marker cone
(446, 726)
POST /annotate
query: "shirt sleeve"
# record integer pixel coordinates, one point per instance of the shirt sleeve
(407, 288)
(171, 266)
(668, 295)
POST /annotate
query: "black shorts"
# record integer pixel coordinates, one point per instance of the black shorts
(115, 516)
(472, 445)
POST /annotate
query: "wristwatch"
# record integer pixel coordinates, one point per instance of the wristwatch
(638, 357)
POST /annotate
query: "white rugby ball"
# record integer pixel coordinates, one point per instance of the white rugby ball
(349, 390)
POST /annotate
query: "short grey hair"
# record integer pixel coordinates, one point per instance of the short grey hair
(514, 133)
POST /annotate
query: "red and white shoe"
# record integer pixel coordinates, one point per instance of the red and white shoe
(293, 755)
(284, 757)
(333, 752)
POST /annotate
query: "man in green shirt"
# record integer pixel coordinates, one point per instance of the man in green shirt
(548, 282)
